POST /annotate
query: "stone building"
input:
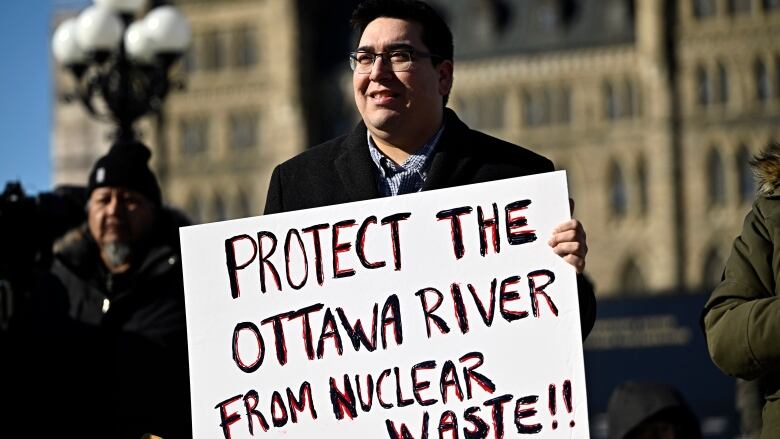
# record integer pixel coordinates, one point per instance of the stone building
(241, 112)
(729, 99)
(653, 108)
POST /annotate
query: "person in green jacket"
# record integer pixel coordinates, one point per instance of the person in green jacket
(742, 317)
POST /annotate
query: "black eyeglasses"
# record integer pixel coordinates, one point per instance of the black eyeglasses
(399, 60)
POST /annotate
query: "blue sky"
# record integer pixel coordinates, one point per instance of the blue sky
(25, 110)
(25, 91)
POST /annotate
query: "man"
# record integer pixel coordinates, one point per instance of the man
(408, 140)
(648, 410)
(120, 331)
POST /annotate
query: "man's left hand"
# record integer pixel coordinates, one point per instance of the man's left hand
(569, 242)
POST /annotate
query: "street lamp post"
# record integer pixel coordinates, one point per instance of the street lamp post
(119, 61)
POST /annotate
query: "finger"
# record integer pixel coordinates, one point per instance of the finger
(567, 225)
(571, 248)
(577, 234)
(563, 233)
(566, 236)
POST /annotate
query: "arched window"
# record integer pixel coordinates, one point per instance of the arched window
(565, 105)
(628, 106)
(467, 110)
(618, 195)
(213, 50)
(491, 110)
(747, 187)
(611, 104)
(528, 110)
(243, 207)
(548, 16)
(190, 57)
(618, 14)
(572, 184)
(763, 87)
(245, 48)
(777, 74)
(723, 84)
(637, 98)
(195, 209)
(770, 5)
(716, 179)
(194, 134)
(642, 185)
(735, 7)
(703, 8)
(243, 129)
(712, 271)
(632, 282)
(220, 213)
(703, 92)
(546, 104)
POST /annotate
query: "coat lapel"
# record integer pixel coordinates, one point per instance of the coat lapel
(453, 161)
(355, 167)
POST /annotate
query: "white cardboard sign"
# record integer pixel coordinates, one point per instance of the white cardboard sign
(436, 314)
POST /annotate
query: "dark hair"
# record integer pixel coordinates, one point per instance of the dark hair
(435, 32)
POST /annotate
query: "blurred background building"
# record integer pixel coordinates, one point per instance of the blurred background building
(653, 107)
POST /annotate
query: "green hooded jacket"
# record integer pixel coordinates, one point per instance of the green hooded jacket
(742, 317)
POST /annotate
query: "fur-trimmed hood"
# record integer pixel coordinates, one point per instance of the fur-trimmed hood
(79, 249)
(766, 168)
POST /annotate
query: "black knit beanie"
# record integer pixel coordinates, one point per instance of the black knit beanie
(126, 166)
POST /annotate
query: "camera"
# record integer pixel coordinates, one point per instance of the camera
(29, 225)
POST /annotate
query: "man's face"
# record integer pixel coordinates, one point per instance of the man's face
(117, 215)
(400, 105)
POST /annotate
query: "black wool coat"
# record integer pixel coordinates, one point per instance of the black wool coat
(341, 171)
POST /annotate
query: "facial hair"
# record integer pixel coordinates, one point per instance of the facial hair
(117, 253)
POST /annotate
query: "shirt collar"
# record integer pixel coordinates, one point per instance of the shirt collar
(415, 162)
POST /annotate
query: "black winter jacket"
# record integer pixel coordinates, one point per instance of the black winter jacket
(116, 344)
(341, 171)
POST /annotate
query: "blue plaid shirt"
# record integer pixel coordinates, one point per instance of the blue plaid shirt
(409, 176)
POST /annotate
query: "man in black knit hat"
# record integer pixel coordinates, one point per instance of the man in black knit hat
(123, 201)
(121, 333)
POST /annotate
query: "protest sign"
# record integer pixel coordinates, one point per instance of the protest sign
(436, 314)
